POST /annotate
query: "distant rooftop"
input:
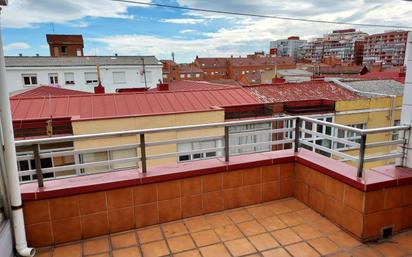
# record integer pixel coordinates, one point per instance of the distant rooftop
(46, 91)
(47, 61)
(312, 90)
(64, 38)
(389, 87)
(109, 106)
(184, 85)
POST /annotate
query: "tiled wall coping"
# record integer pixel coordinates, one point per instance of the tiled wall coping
(374, 179)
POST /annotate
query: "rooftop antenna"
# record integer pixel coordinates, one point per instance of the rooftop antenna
(52, 26)
(173, 56)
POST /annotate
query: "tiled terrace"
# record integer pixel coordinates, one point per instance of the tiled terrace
(284, 227)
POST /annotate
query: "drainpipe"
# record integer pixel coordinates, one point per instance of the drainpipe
(11, 162)
(406, 116)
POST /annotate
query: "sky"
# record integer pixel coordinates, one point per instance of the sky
(110, 27)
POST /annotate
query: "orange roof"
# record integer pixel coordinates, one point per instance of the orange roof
(312, 90)
(108, 106)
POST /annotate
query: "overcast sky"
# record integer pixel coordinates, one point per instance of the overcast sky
(111, 27)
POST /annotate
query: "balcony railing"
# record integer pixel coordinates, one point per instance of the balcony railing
(283, 133)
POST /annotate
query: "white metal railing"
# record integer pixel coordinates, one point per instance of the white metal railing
(279, 134)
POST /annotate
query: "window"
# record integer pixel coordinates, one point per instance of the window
(53, 78)
(64, 49)
(236, 138)
(91, 77)
(79, 52)
(56, 51)
(197, 75)
(69, 78)
(30, 79)
(198, 150)
(109, 155)
(182, 76)
(31, 165)
(349, 135)
(119, 77)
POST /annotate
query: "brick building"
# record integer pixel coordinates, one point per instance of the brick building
(213, 68)
(65, 45)
(184, 71)
(387, 47)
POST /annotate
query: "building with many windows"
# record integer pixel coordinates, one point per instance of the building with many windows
(388, 47)
(80, 73)
(287, 47)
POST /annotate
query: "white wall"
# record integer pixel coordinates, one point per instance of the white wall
(14, 76)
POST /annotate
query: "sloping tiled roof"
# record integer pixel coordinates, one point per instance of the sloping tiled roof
(312, 90)
(211, 62)
(108, 106)
(376, 75)
(185, 85)
(46, 91)
(47, 61)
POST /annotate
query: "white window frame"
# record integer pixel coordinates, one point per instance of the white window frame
(53, 78)
(110, 155)
(246, 140)
(185, 149)
(197, 75)
(68, 81)
(91, 81)
(119, 77)
(30, 76)
(182, 76)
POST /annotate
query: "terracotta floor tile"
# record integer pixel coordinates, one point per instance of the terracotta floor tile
(155, 249)
(263, 241)
(44, 253)
(278, 207)
(250, 228)
(260, 212)
(73, 250)
(302, 250)
(306, 231)
(291, 219)
(278, 252)
(127, 252)
(344, 240)
(191, 253)
(174, 229)
(324, 245)
(389, 249)
(340, 254)
(214, 251)
(206, 237)
(99, 255)
(240, 247)
(123, 240)
(294, 204)
(218, 220)
(149, 234)
(308, 215)
(228, 232)
(272, 223)
(95, 246)
(239, 216)
(404, 241)
(286, 236)
(197, 224)
(365, 251)
(180, 243)
(325, 226)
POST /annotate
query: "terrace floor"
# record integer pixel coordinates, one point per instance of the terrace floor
(281, 228)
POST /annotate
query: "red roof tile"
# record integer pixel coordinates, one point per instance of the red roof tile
(46, 91)
(376, 75)
(106, 106)
(312, 90)
(184, 85)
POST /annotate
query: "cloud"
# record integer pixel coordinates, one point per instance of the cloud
(183, 21)
(185, 31)
(16, 46)
(28, 13)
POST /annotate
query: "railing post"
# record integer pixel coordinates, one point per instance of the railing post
(361, 155)
(143, 152)
(226, 144)
(37, 162)
(297, 133)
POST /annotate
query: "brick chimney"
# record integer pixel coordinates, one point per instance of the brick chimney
(99, 89)
(163, 87)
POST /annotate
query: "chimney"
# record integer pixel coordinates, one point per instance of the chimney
(163, 87)
(115, 54)
(37, 54)
(277, 80)
(20, 55)
(406, 116)
(99, 89)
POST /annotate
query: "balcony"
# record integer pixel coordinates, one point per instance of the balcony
(302, 195)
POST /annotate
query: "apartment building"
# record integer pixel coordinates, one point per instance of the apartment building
(81, 72)
(388, 48)
(346, 45)
(183, 71)
(287, 47)
(65, 45)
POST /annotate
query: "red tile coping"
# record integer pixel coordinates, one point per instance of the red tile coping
(373, 179)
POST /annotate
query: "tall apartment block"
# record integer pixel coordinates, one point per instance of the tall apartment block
(286, 47)
(388, 47)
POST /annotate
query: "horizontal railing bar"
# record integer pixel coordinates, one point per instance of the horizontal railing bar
(261, 132)
(383, 157)
(175, 154)
(277, 142)
(148, 131)
(183, 140)
(386, 143)
(340, 154)
(386, 129)
(335, 139)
